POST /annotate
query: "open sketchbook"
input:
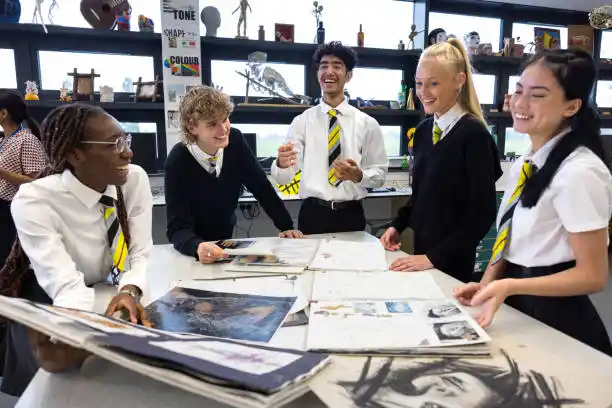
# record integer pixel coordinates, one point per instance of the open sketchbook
(349, 256)
(288, 256)
(237, 373)
(388, 313)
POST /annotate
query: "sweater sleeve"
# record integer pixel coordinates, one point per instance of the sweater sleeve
(256, 180)
(179, 213)
(482, 170)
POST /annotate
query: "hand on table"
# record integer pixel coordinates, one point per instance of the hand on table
(348, 169)
(287, 156)
(411, 263)
(124, 302)
(296, 234)
(491, 296)
(391, 239)
(209, 253)
(55, 357)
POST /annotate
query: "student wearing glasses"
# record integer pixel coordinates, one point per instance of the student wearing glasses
(22, 157)
(551, 249)
(87, 220)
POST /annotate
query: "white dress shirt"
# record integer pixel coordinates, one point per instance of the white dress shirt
(447, 121)
(60, 224)
(578, 199)
(202, 158)
(361, 139)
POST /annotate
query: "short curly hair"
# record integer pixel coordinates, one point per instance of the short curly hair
(335, 48)
(202, 103)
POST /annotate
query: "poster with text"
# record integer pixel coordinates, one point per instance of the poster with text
(181, 59)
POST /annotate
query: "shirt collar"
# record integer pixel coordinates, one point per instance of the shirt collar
(203, 154)
(449, 117)
(343, 108)
(86, 195)
(539, 158)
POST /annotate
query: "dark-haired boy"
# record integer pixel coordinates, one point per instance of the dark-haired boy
(334, 152)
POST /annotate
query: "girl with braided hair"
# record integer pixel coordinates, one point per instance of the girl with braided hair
(85, 219)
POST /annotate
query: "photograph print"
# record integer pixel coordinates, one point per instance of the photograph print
(217, 314)
(455, 330)
(441, 310)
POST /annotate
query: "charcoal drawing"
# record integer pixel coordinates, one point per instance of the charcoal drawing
(453, 383)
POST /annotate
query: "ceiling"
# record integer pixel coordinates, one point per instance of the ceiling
(583, 5)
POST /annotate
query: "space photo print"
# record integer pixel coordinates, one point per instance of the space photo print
(498, 382)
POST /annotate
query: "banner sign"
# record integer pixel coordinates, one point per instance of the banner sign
(181, 56)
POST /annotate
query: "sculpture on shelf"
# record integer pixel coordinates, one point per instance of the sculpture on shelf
(31, 91)
(472, 42)
(244, 4)
(264, 78)
(106, 94)
(10, 11)
(435, 36)
(211, 18)
(123, 20)
(64, 95)
(413, 34)
(601, 18)
(317, 10)
(485, 49)
(38, 13)
(102, 14)
(145, 24)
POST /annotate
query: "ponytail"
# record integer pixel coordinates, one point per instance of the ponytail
(33, 126)
(453, 53)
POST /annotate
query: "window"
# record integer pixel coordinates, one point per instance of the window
(144, 144)
(270, 137)
(223, 73)
(68, 13)
(489, 29)
(604, 94)
(527, 34)
(375, 83)
(516, 143)
(485, 88)
(8, 76)
(606, 44)
(512, 81)
(116, 71)
(341, 19)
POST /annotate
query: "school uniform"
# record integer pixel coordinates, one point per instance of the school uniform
(321, 135)
(453, 202)
(20, 153)
(62, 227)
(578, 199)
(202, 193)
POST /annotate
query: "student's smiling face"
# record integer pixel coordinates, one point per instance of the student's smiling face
(212, 134)
(332, 75)
(436, 87)
(538, 106)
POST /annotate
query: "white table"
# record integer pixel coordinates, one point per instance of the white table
(102, 384)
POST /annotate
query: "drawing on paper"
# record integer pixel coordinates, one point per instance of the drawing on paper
(452, 382)
(233, 244)
(364, 307)
(229, 315)
(398, 307)
(335, 307)
(457, 330)
(443, 310)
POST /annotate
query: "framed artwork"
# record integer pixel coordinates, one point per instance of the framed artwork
(147, 91)
(547, 38)
(83, 85)
(284, 32)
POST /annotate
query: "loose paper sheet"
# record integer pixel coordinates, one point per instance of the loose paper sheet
(350, 256)
(379, 325)
(339, 285)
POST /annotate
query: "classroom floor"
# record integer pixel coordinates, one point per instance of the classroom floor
(602, 301)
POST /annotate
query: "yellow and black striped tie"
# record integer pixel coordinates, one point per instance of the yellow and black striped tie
(503, 235)
(437, 133)
(116, 239)
(212, 161)
(333, 146)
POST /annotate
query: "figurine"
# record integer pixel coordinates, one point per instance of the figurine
(211, 18)
(412, 35)
(472, 41)
(31, 92)
(436, 36)
(38, 13)
(244, 4)
(106, 94)
(123, 19)
(64, 97)
(601, 17)
(145, 24)
(485, 49)
(261, 34)
(401, 46)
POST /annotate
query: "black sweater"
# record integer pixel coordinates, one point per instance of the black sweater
(201, 207)
(453, 201)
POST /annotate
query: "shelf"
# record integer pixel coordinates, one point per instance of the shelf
(115, 106)
(73, 32)
(253, 108)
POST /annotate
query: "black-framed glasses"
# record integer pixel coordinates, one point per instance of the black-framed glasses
(122, 143)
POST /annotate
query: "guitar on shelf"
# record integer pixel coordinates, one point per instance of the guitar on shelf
(103, 14)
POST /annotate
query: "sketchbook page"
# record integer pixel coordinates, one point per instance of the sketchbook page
(283, 286)
(262, 264)
(389, 325)
(296, 252)
(220, 314)
(241, 365)
(341, 285)
(350, 256)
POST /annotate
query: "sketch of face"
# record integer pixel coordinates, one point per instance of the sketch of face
(444, 310)
(441, 37)
(455, 329)
(449, 390)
